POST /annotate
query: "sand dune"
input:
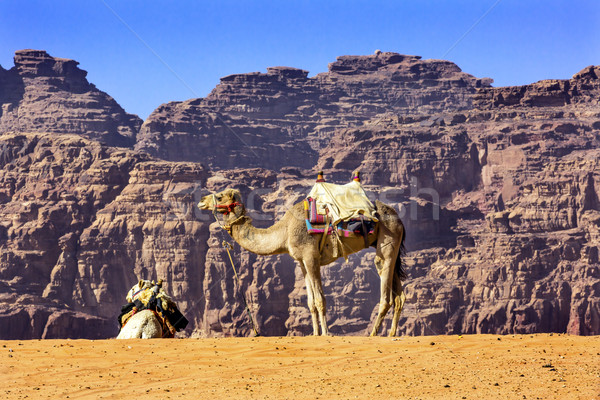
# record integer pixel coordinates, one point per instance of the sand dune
(450, 367)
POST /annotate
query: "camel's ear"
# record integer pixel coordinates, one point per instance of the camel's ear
(237, 196)
(141, 284)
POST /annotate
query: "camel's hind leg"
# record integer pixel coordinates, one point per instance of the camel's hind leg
(311, 305)
(385, 268)
(390, 242)
(399, 299)
(313, 269)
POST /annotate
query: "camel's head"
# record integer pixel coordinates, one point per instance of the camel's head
(227, 202)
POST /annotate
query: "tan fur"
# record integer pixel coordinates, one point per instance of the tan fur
(289, 235)
(142, 325)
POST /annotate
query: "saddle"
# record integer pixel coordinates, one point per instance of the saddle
(341, 209)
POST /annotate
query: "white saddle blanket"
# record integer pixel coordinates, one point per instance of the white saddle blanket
(343, 201)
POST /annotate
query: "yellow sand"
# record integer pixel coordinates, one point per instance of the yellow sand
(433, 367)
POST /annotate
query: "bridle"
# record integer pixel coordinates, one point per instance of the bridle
(226, 210)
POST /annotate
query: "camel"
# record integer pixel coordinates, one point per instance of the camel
(145, 324)
(289, 235)
(142, 325)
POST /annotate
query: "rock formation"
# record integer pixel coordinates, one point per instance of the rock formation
(498, 188)
(47, 94)
(282, 117)
(53, 187)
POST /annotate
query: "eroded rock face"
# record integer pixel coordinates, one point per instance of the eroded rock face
(53, 186)
(282, 117)
(497, 187)
(82, 222)
(518, 174)
(42, 93)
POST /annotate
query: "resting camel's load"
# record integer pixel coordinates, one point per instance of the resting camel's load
(345, 207)
(145, 297)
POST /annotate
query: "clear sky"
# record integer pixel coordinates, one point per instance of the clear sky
(148, 52)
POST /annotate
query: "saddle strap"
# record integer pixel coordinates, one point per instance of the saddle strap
(365, 231)
(324, 237)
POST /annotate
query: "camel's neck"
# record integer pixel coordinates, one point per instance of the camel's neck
(272, 240)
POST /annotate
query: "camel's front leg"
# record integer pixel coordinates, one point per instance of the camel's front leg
(311, 304)
(313, 279)
(310, 298)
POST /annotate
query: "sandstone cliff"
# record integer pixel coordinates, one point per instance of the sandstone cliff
(498, 189)
(282, 117)
(47, 94)
(518, 173)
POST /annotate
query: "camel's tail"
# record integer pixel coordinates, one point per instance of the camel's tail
(399, 271)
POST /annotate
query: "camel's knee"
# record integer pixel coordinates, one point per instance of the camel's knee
(320, 304)
(310, 302)
(399, 300)
(379, 264)
(384, 306)
(398, 308)
(321, 309)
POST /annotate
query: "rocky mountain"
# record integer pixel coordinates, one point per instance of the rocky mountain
(282, 117)
(498, 188)
(42, 93)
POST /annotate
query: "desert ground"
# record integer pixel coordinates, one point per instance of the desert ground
(543, 366)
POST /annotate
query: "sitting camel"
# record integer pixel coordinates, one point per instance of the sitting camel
(289, 235)
(142, 325)
(145, 322)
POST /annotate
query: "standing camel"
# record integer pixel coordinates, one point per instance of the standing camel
(289, 235)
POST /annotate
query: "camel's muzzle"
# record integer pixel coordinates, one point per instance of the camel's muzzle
(205, 203)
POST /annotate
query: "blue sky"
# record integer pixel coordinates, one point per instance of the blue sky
(145, 53)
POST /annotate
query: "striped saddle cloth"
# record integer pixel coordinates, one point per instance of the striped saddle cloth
(318, 219)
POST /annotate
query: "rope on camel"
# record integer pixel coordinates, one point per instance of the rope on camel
(228, 247)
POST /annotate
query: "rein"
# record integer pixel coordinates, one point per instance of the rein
(228, 209)
(228, 226)
(228, 247)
